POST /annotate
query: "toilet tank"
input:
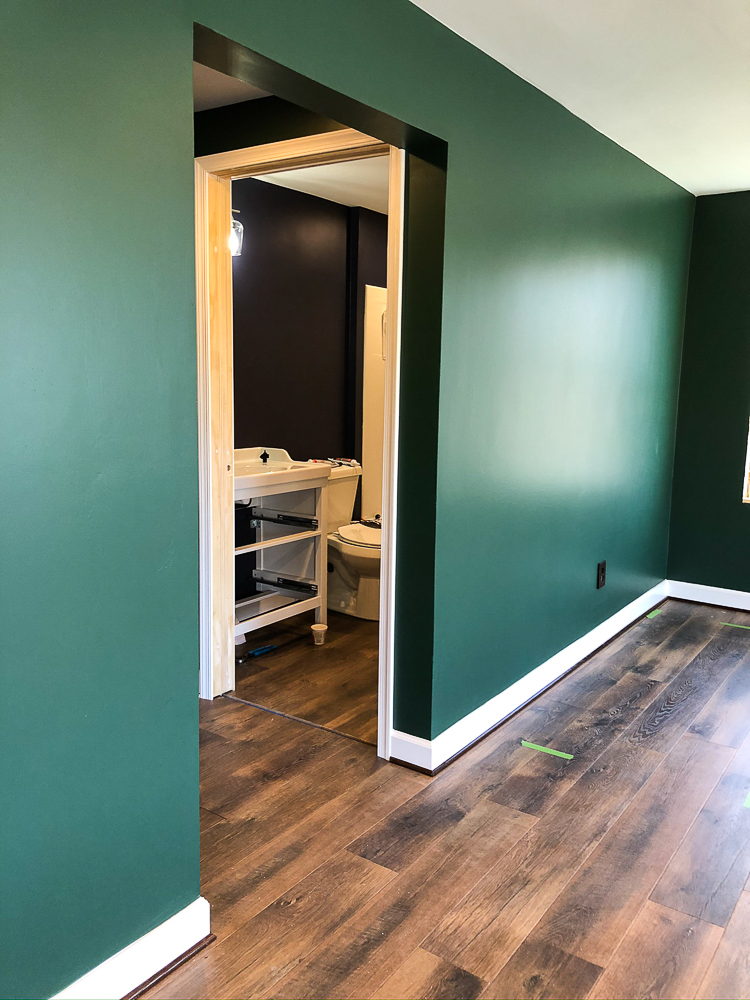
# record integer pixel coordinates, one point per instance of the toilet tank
(342, 491)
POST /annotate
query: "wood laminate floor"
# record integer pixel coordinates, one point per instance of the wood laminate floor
(334, 685)
(624, 872)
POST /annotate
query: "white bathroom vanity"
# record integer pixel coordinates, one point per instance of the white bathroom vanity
(282, 504)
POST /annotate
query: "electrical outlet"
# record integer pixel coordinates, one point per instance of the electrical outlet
(601, 574)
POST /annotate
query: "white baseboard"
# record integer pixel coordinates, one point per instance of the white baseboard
(739, 599)
(412, 750)
(134, 965)
(430, 754)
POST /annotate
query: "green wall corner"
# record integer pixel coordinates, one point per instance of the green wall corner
(710, 528)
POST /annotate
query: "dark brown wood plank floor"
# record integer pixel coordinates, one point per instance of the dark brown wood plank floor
(334, 685)
(624, 872)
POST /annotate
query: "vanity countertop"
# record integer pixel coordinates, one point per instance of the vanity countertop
(266, 467)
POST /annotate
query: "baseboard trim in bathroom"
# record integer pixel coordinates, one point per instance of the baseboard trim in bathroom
(295, 718)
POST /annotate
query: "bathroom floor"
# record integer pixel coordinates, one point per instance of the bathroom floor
(334, 685)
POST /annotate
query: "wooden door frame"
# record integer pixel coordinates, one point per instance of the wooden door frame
(213, 269)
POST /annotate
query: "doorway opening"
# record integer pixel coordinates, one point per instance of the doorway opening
(309, 296)
(291, 531)
(269, 120)
(311, 346)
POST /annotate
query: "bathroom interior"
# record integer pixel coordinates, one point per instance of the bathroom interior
(309, 266)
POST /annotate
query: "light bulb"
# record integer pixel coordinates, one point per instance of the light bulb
(235, 238)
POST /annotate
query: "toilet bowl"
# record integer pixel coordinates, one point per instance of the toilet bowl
(354, 571)
(353, 550)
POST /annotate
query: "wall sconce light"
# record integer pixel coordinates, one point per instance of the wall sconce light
(235, 236)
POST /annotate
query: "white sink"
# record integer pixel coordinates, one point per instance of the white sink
(256, 467)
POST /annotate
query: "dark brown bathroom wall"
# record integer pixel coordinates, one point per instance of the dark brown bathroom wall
(290, 321)
(299, 304)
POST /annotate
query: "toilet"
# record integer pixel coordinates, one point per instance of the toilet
(353, 550)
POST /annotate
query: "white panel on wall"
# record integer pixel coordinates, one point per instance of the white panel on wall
(373, 401)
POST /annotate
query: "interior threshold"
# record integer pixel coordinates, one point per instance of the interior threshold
(295, 718)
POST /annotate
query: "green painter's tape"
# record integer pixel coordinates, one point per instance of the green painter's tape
(653, 614)
(732, 625)
(746, 803)
(555, 753)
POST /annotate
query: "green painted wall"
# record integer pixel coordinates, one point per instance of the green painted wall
(564, 280)
(709, 538)
(98, 460)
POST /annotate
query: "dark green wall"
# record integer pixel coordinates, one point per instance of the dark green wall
(709, 538)
(564, 276)
(98, 466)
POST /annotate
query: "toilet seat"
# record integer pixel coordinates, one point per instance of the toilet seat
(360, 534)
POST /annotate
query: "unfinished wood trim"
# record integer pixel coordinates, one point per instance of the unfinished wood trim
(215, 395)
(329, 147)
(204, 435)
(215, 429)
(396, 189)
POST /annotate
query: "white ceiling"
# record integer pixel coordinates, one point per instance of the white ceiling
(668, 80)
(355, 182)
(214, 90)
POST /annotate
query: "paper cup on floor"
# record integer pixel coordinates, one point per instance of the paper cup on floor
(319, 634)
